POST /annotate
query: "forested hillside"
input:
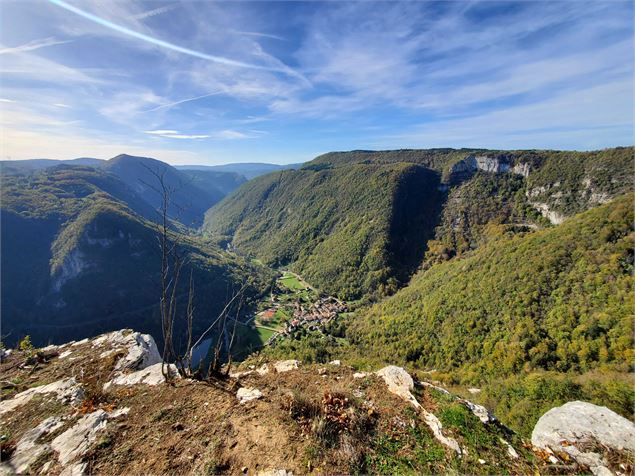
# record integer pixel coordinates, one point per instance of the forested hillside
(556, 299)
(80, 256)
(566, 182)
(351, 231)
(357, 224)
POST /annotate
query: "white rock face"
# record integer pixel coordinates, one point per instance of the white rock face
(286, 365)
(76, 440)
(522, 169)
(553, 216)
(245, 395)
(399, 382)
(141, 349)
(151, 375)
(27, 450)
(73, 265)
(335, 362)
(67, 390)
(484, 163)
(576, 423)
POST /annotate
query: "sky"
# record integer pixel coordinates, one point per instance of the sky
(210, 82)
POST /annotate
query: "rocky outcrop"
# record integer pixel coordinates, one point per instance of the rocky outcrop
(401, 384)
(66, 390)
(140, 349)
(76, 440)
(73, 265)
(581, 430)
(553, 216)
(465, 168)
(28, 449)
(152, 375)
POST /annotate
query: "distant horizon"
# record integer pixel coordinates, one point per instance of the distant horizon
(208, 164)
(232, 82)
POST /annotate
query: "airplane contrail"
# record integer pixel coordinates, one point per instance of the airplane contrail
(175, 103)
(170, 46)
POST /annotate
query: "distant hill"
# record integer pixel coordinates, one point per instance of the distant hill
(195, 191)
(79, 256)
(14, 167)
(249, 169)
(225, 182)
(349, 230)
(191, 198)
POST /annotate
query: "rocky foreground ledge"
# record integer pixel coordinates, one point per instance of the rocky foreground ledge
(100, 406)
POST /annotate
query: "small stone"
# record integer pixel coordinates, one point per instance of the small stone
(481, 461)
(286, 365)
(245, 395)
(335, 362)
(474, 390)
(321, 371)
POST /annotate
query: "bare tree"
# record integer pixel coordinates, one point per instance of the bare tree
(173, 260)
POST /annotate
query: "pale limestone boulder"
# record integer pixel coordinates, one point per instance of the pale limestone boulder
(286, 365)
(151, 375)
(399, 382)
(67, 390)
(75, 441)
(28, 450)
(575, 425)
(245, 394)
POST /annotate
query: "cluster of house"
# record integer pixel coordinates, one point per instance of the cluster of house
(313, 318)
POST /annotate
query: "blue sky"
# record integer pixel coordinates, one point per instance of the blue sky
(202, 82)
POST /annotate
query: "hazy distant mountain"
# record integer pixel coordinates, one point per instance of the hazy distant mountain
(191, 198)
(14, 167)
(249, 170)
(226, 182)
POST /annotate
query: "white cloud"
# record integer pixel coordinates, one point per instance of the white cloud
(172, 134)
(569, 121)
(277, 66)
(161, 132)
(152, 13)
(32, 45)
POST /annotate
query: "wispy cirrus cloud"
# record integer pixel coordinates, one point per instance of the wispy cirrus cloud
(172, 134)
(168, 45)
(32, 45)
(153, 12)
(226, 134)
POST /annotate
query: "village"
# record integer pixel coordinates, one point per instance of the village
(296, 306)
